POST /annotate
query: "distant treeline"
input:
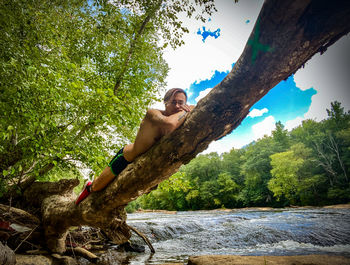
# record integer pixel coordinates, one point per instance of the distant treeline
(306, 166)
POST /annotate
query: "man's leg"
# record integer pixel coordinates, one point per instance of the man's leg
(103, 179)
(115, 167)
(146, 137)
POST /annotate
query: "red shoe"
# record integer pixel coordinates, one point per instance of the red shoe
(86, 192)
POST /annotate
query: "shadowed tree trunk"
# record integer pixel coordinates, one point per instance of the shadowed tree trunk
(286, 35)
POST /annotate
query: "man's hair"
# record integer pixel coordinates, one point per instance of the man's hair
(172, 92)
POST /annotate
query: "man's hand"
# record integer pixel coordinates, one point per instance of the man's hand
(187, 108)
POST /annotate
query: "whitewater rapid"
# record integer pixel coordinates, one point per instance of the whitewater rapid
(299, 231)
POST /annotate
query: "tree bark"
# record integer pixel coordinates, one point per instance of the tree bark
(7, 256)
(286, 35)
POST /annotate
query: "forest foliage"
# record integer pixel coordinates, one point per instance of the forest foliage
(308, 165)
(76, 78)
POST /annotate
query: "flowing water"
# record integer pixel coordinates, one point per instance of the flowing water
(298, 231)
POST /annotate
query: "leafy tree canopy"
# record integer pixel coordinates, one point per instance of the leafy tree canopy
(59, 63)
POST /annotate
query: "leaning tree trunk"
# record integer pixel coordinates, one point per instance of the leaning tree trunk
(286, 35)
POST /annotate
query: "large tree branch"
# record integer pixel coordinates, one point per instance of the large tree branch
(286, 35)
(148, 16)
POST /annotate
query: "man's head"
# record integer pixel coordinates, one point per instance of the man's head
(174, 98)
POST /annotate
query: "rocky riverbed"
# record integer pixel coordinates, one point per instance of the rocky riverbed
(210, 260)
(308, 235)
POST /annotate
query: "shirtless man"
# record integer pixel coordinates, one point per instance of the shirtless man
(156, 124)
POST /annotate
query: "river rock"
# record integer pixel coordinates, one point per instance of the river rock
(270, 260)
(35, 260)
(44, 260)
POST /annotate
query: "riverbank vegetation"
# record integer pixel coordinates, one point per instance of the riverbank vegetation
(306, 166)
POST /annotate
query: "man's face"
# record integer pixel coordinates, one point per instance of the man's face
(175, 103)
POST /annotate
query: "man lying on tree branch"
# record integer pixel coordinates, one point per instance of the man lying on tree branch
(156, 124)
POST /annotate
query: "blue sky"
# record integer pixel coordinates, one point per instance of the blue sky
(205, 33)
(212, 48)
(283, 103)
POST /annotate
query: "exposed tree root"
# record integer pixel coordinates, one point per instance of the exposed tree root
(24, 233)
(17, 216)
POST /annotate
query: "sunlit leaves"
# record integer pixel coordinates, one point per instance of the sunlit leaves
(59, 62)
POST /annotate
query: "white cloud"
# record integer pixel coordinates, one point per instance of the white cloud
(257, 112)
(264, 128)
(203, 93)
(197, 60)
(329, 75)
(291, 124)
(226, 144)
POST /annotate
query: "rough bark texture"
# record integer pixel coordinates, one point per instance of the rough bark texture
(7, 256)
(8, 213)
(38, 191)
(291, 31)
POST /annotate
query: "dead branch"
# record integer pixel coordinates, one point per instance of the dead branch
(143, 237)
(83, 253)
(26, 238)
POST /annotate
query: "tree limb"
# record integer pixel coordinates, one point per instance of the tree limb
(143, 237)
(133, 43)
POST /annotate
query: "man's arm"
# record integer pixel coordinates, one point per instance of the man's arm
(154, 125)
(168, 123)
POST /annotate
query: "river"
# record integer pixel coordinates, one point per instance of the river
(292, 231)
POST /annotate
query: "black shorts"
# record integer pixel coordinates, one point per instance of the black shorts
(118, 163)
